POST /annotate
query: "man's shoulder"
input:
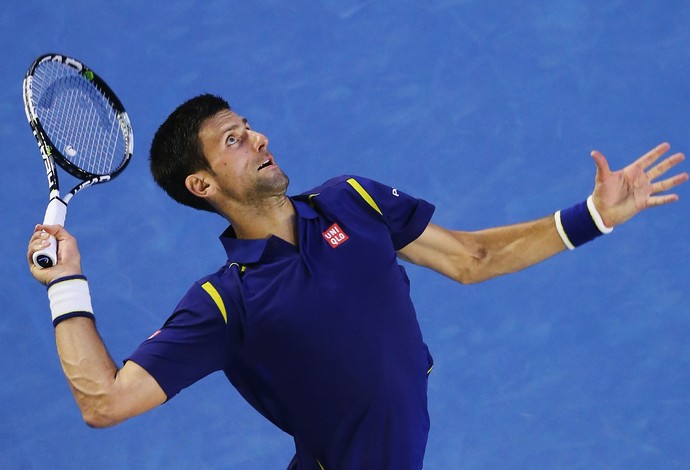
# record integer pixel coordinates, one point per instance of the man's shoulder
(348, 190)
(222, 283)
(336, 183)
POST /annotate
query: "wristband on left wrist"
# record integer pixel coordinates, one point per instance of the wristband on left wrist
(580, 224)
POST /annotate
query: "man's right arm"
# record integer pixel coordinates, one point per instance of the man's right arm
(105, 394)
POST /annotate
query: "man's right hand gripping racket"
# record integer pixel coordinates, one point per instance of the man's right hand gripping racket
(79, 124)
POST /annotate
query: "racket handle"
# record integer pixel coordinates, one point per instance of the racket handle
(55, 215)
(47, 257)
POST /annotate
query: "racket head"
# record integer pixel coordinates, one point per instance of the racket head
(77, 119)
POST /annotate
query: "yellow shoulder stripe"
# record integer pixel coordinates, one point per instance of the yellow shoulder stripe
(365, 195)
(208, 287)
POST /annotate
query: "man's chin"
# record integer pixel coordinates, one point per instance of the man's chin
(275, 184)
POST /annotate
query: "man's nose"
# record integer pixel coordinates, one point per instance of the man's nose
(260, 141)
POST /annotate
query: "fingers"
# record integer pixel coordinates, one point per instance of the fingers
(669, 183)
(42, 233)
(665, 165)
(666, 184)
(646, 160)
(68, 252)
(653, 155)
(661, 200)
(38, 241)
(58, 231)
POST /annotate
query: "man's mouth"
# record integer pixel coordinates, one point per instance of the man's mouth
(266, 163)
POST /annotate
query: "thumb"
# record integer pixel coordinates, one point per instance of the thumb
(602, 165)
(58, 231)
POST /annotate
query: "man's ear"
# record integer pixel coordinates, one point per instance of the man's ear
(198, 185)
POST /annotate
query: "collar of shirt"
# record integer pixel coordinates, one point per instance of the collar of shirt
(251, 251)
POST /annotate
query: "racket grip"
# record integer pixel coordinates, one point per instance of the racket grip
(56, 212)
(47, 257)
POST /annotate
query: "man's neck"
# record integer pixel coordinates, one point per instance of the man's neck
(276, 216)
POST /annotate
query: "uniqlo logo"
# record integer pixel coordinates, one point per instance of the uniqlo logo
(335, 236)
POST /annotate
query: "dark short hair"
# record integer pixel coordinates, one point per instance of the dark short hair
(176, 150)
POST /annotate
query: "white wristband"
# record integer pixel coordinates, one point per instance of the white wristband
(597, 217)
(69, 297)
(561, 231)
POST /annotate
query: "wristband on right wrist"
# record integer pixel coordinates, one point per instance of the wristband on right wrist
(580, 224)
(69, 297)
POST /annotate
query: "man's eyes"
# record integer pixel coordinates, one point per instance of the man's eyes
(233, 139)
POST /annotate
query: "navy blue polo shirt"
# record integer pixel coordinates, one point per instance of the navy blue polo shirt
(321, 338)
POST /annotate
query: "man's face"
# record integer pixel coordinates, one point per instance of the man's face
(243, 168)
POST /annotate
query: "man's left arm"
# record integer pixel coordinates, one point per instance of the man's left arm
(470, 257)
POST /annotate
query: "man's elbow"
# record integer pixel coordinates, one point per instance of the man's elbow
(100, 416)
(469, 277)
(471, 270)
(96, 422)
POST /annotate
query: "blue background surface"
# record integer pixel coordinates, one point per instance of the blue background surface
(488, 109)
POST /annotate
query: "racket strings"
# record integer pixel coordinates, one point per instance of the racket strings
(82, 124)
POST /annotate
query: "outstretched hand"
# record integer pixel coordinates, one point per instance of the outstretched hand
(620, 195)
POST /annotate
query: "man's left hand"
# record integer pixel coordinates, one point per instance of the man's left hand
(620, 195)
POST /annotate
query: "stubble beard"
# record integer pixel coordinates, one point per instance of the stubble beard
(271, 187)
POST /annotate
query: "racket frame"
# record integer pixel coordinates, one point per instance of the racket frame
(56, 210)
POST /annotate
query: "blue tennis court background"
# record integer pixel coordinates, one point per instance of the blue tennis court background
(488, 109)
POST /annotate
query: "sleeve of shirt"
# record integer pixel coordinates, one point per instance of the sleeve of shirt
(188, 347)
(405, 216)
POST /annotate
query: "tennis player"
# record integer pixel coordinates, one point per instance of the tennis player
(310, 317)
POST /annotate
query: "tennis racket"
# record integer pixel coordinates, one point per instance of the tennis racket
(79, 124)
